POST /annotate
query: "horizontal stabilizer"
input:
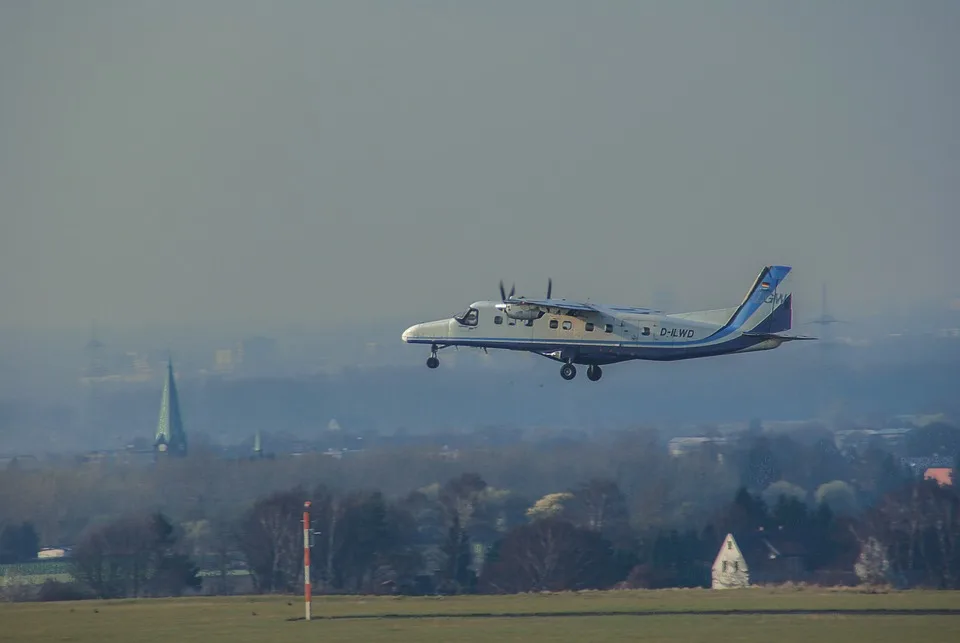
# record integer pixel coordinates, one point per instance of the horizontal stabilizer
(782, 338)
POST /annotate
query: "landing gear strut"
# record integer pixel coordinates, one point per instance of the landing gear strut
(568, 371)
(432, 361)
(594, 373)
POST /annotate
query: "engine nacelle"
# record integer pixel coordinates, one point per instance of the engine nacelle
(520, 311)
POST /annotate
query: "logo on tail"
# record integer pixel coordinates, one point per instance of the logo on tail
(776, 298)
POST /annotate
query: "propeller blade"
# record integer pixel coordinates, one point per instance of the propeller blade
(513, 289)
(503, 293)
(549, 287)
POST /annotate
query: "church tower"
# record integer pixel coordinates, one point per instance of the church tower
(170, 435)
(257, 445)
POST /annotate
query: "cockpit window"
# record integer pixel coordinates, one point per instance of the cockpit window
(468, 317)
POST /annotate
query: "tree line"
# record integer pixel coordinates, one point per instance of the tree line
(639, 517)
(423, 543)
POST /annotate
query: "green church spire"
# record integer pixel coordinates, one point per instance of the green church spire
(170, 435)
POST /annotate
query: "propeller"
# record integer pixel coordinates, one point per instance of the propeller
(503, 295)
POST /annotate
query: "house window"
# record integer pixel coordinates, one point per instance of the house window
(736, 565)
(498, 320)
(567, 325)
(608, 328)
(724, 566)
(729, 544)
(588, 327)
(553, 323)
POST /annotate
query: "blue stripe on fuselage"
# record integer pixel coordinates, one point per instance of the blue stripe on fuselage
(596, 350)
(653, 346)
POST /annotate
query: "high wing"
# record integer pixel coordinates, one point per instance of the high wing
(553, 304)
(613, 311)
(549, 305)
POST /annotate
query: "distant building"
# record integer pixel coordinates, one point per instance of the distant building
(170, 437)
(224, 360)
(860, 439)
(96, 358)
(919, 466)
(943, 475)
(754, 559)
(53, 552)
(680, 446)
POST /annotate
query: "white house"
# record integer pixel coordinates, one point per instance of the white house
(730, 566)
(755, 560)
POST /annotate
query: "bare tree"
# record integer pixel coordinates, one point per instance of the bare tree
(270, 537)
(133, 556)
(549, 555)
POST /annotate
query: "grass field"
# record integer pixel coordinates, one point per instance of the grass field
(758, 615)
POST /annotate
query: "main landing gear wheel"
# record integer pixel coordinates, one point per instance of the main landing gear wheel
(594, 373)
(568, 371)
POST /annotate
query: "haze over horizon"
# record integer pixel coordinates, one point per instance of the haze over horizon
(317, 163)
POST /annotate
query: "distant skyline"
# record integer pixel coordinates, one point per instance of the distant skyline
(234, 162)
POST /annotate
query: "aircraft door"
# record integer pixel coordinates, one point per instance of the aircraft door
(636, 331)
(628, 331)
(649, 330)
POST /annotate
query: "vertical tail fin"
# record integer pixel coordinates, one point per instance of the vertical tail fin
(768, 305)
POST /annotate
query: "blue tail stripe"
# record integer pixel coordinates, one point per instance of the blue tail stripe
(766, 284)
(780, 320)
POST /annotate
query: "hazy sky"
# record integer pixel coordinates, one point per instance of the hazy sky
(304, 161)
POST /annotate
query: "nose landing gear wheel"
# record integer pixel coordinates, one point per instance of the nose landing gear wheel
(594, 373)
(568, 371)
(432, 361)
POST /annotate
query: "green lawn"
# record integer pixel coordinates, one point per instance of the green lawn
(669, 615)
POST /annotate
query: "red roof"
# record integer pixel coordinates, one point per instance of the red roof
(943, 475)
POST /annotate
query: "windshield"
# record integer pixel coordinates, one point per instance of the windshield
(468, 317)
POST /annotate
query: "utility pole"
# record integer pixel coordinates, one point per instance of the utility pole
(306, 558)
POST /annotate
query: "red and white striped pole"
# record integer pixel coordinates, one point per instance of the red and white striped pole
(306, 557)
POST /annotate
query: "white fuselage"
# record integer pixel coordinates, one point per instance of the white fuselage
(582, 337)
(595, 334)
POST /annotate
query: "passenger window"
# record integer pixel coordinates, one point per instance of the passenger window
(608, 328)
(646, 330)
(553, 323)
(498, 320)
(588, 327)
(567, 325)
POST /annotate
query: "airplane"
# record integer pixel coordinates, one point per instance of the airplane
(595, 335)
